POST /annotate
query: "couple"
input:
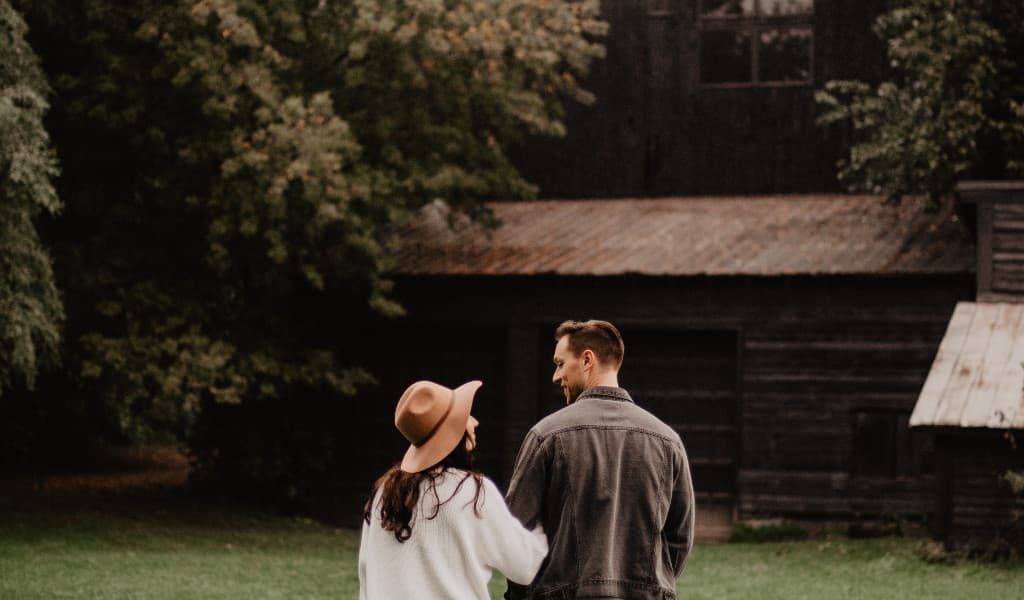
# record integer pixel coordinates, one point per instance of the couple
(600, 504)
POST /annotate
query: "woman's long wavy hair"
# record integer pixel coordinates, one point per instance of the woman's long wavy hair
(400, 492)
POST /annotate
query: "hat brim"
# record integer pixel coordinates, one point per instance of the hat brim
(447, 437)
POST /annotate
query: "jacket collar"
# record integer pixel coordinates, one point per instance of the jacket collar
(605, 393)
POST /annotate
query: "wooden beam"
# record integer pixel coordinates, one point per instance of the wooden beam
(984, 250)
(988, 191)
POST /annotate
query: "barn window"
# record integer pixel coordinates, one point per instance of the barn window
(884, 445)
(756, 42)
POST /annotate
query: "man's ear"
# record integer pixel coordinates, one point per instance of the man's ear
(589, 358)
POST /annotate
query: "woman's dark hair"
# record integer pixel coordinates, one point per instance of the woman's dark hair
(400, 491)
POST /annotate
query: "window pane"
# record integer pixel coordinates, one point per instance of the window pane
(724, 57)
(785, 55)
(787, 7)
(727, 8)
(875, 444)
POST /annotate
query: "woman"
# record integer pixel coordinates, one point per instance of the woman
(434, 527)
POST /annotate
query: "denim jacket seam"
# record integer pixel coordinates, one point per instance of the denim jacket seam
(650, 432)
(572, 509)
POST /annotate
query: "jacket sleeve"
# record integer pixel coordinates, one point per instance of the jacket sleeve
(679, 524)
(504, 543)
(529, 480)
(526, 490)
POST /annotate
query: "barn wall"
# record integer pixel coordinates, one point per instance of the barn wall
(667, 134)
(978, 505)
(813, 355)
(1007, 248)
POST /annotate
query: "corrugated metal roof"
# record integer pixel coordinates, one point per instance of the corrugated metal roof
(759, 235)
(977, 379)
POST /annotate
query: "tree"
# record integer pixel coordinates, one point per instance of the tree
(954, 106)
(30, 307)
(232, 169)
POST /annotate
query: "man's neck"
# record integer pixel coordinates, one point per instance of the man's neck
(608, 379)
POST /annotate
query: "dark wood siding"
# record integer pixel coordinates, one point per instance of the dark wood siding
(812, 352)
(655, 130)
(1008, 249)
(689, 379)
(978, 505)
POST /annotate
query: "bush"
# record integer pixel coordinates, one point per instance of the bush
(874, 528)
(782, 531)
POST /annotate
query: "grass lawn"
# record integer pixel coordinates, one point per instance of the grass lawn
(46, 552)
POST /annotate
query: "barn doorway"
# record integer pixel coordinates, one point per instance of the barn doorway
(687, 378)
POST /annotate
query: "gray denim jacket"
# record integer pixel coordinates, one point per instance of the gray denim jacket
(611, 485)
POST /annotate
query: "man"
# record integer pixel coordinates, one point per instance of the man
(609, 482)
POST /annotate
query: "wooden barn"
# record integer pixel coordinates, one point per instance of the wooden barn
(785, 331)
(786, 338)
(710, 97)
(973, 399)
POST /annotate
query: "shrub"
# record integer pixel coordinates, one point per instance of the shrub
(744, 533)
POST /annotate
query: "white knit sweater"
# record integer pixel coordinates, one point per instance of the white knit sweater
(449, 557)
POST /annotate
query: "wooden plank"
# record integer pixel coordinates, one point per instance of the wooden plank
(982, 394)
(968, 365)
(928, 402)
(1008, 212)
(1007, 276)
(1006, 404)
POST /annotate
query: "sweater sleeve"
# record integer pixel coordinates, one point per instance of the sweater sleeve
(504, 543)
(363, 549)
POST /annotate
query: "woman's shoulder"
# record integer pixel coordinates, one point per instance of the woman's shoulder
(462, 485)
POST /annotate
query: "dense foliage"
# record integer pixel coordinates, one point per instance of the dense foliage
(231, 170)
(953, 107)
(30, 308)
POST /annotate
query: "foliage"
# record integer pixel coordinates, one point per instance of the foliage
(233, 168)
(30, 307)
(954, 106)
(1016, 481)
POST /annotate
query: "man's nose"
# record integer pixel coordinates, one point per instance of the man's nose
(554, 377)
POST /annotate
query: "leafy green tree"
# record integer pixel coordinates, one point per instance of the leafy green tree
(953, 107)
(30, 307)
(233, 168)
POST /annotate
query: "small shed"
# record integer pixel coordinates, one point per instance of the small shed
(973, 398)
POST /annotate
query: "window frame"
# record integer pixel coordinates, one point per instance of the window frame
(912, 453)
(754, 25)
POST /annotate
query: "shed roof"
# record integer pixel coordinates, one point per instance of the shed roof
(747, 235)
(977, 379)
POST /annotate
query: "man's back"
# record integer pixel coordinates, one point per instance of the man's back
(611, 485)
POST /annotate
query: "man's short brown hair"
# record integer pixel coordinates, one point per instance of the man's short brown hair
(601, 337)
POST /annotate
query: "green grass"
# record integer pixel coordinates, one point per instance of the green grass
(205, 553)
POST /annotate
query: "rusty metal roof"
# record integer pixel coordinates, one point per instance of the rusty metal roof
(748, 235)
(977, 379)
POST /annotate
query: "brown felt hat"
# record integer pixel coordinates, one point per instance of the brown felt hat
(433, 418)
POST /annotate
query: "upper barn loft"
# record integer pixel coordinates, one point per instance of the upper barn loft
(710, 97)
